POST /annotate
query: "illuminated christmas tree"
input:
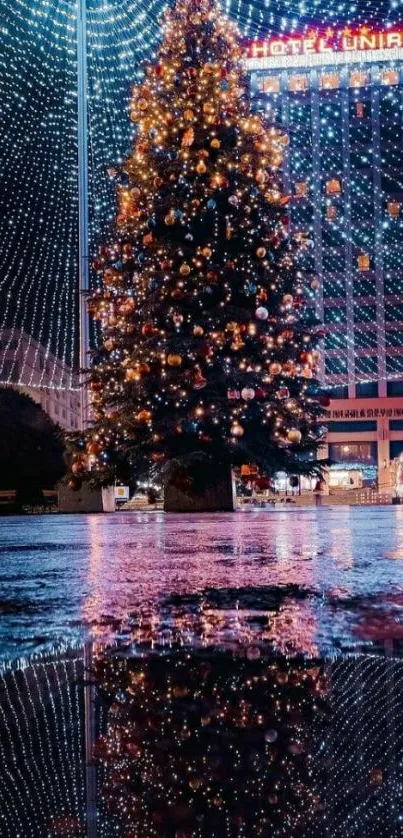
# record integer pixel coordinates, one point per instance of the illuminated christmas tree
(208, 340)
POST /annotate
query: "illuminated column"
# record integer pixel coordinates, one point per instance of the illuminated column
(384, 474)
(82, 87)
(317, 200)
(380, 302)
(348, 250)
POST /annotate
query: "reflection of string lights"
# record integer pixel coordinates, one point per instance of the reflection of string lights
(41, 748)
(363, 745)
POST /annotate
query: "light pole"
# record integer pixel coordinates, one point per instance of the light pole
(83, 255)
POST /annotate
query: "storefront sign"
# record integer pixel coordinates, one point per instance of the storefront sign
(317, 42)
(367, 413)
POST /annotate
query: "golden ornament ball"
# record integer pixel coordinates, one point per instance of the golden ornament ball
(261, 252)
(275, 368)
(174, 360)
(169, 220)
(94, 448)
(184, 269)
(142, 104)
(215, 143)
(294, 436)
(237, 429)
(144, 416)
(207, 252)
(132, 374)
(201, 168)
(198, 331)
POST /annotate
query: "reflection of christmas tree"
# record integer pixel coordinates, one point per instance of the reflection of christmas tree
(207, 343)
(209, 744)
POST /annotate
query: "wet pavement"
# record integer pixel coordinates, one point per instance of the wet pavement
(186, 676)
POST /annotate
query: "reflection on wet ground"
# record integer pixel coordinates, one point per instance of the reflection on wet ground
(235, 675)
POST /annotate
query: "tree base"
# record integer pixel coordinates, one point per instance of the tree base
(219, 497)
(86, 500)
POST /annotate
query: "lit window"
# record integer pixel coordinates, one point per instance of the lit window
(330, 81)
(331, 213)
(363, 262)
(298, 83)
(301, 189)
(359, 79)
(333, 187)
(271, 84)
(394, 209)
(390, 77)
(360, 109)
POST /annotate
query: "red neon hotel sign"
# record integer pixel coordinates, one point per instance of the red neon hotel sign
(331, 40)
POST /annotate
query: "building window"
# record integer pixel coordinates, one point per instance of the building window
(271, 84)
(363, 262)
(394, 388)
(333, 186)
(360, 110)
(330, 81)
(390, 77)
(394, 209)
(364, 426)
(298, 83)
(331, 213)
(366, 390)
(353, 452)
(359, 79)
(301, 189)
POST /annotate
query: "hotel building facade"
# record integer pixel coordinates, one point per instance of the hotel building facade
(339, 97)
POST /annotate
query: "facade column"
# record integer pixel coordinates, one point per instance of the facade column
(384, 475)
(378, 214)
(317, 205)
(348, 250)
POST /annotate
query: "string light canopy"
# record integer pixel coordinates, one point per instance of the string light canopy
(39, 242)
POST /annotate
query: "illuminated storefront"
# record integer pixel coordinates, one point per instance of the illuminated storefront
(339, 96)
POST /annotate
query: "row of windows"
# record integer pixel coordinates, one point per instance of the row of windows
(363, 313)
(365, 426)
(366, 367)
(334, 286)
(327, 81)
(367, 390)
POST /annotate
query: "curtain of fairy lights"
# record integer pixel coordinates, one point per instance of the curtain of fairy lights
(38, 139)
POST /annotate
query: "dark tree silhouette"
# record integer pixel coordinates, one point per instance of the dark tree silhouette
(31, 446)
